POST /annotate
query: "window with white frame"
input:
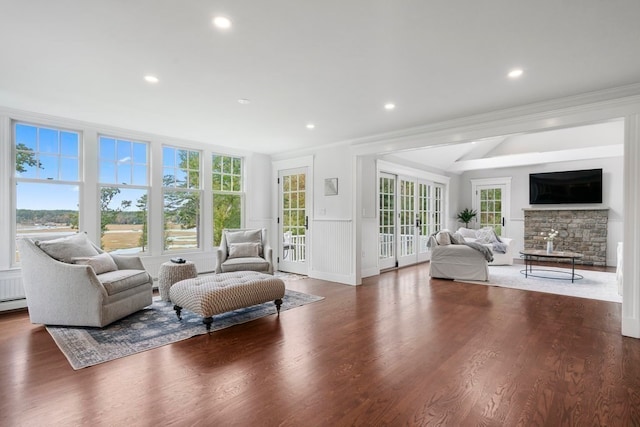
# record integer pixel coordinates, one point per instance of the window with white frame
(228, 194)
(47, 178)
(181, 194)
(124, 190)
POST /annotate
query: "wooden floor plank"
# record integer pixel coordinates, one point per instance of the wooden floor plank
(402, 349)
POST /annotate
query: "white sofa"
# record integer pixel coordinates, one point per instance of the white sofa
(456, 261)
(470, 235)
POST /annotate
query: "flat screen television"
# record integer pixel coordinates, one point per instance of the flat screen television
(580, 186)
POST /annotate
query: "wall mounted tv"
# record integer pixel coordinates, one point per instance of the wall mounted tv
(581, 186)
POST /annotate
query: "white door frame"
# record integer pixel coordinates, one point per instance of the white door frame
(274, 234)
(504, 182)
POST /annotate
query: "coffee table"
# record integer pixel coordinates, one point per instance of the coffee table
(530, 255)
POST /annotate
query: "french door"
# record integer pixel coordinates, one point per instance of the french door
(293, 220)
(409, 211)
(491, 202)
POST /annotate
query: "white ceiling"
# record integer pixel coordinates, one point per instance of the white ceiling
(594, 141)
(333, 63)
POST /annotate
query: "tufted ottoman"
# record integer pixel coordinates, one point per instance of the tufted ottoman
(219, 293)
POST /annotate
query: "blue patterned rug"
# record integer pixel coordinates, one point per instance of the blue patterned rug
(154, 326)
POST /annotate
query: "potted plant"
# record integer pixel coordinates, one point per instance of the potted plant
(466, 215)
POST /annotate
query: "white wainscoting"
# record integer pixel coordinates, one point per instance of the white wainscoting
(332, 250)
(11, 285)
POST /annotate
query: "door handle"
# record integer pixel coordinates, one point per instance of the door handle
(306, 222)
(503, 221)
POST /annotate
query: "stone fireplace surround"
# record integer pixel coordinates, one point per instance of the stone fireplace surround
(582, 230)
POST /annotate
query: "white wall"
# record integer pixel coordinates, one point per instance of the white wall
(612, 193)
(257, 201)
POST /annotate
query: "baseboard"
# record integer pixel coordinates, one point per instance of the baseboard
(13, 305)
(631, 327)
(368, 272)
(332, 277)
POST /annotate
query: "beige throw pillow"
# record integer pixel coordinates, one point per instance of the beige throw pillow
(102, 263)
(244, 250)
(443, 238)
(66, 248)
(244, 236)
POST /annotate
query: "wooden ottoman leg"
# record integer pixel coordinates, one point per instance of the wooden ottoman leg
(178, 309)
(278, 303)
(208, 321)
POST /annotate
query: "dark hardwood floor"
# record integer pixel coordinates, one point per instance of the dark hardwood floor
(399, 350)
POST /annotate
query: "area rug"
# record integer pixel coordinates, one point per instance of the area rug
(595, 284)
(154, 326)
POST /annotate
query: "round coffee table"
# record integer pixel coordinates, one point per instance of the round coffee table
(530, 254)
(171, 272)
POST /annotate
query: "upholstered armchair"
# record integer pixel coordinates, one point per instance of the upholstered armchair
(244, 250)
(71, 282)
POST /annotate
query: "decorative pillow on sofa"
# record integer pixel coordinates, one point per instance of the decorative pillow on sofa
(66, 248)
(443, 237)
(487, 235)
(244, 236)
(467, 233)
(101, 263)
(244, 250)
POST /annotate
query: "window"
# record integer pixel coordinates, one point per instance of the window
(227, 194)
(47, 171)
(181, 182)
(124, 180)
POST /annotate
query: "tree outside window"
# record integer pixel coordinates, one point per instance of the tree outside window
(181, 181)
(227, 194)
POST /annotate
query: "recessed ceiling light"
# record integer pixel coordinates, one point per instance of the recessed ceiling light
(244, 101)
(151, 79)
(310, 126)
(515, 73)
(389, 106)
(222, 22)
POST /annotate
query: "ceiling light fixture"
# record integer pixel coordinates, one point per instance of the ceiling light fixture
(310, 126)
(515, 73)
(222, 22)
(389, 106)
(243, 101)
(151, 79)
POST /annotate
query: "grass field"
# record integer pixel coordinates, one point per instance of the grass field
(121, 236)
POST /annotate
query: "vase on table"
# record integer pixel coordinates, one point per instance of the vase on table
(549, 246)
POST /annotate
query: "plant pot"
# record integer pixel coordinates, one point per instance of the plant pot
(549, 246)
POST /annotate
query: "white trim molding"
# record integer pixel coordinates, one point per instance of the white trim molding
(631, 251)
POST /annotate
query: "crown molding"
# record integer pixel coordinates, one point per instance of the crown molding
(586, 108)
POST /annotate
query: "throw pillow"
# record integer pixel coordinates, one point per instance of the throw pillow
(101, 263)
(457, 239)
(467, 232)
(244, 250)
(66, 248)
(486, 235)
(244, 236)
(443, 238)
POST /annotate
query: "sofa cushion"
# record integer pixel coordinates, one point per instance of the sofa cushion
(65, 249)
(241, 264)
(244, 250)
(101, 263)
(122, 280)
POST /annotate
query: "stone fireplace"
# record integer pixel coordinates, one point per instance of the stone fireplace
(582, 230)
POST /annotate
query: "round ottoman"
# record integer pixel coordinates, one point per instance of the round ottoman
(170, 273)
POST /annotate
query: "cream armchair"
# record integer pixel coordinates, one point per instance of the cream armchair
(244, 250)
(71, 282)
